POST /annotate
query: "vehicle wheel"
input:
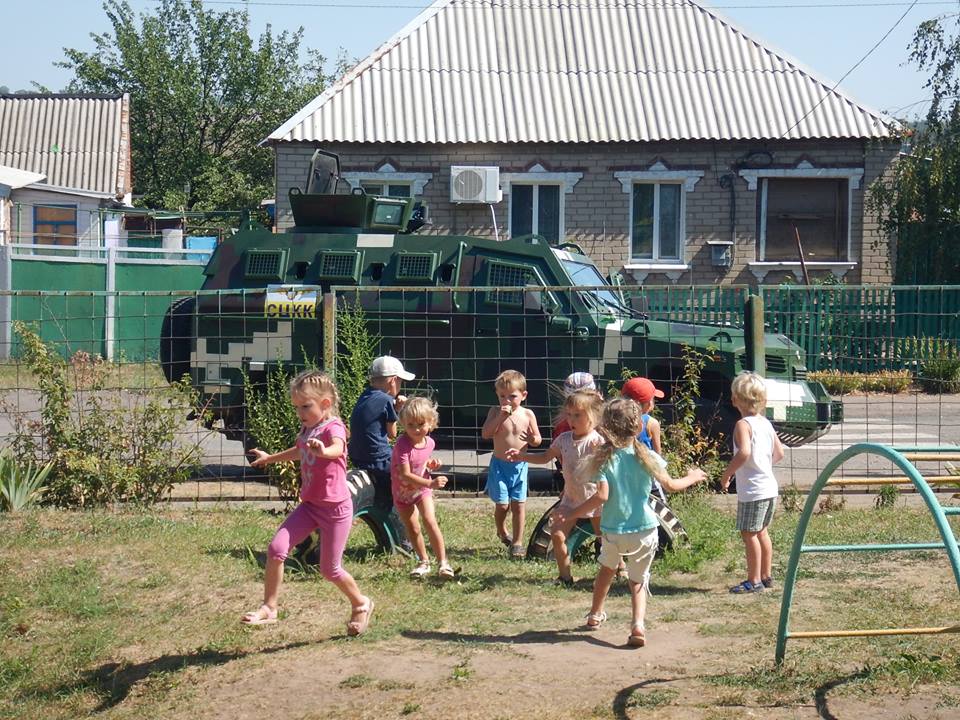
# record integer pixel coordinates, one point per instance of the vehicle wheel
(387, 532)
(176, 335)
(540, 547)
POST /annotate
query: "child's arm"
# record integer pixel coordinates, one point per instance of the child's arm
(532, 436)
(587, 506)
(406, 475)
(541, 458)
(328, 452)
(653, 430)
(495, 418)
(262, 458)
(392, 430)
(741, 436)
(693, 476)
(778, 452)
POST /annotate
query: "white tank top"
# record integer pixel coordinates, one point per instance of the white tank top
(755, 479)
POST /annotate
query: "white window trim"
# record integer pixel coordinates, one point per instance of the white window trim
(387, 174)
(804, 169)
(658, 174)
(538, 175)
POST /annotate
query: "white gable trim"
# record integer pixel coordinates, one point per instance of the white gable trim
(658, 172)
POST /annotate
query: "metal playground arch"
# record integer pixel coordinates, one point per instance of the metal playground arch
(903, 457)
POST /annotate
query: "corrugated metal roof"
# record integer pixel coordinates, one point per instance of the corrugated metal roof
(501, 71)
(77, 141)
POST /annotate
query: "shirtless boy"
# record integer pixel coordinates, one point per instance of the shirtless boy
(509, 426)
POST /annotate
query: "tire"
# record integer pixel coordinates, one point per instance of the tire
(176, 336)
(540, 547)
(387, 531)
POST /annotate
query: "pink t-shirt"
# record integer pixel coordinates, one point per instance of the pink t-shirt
(323, 480)
(416, 458)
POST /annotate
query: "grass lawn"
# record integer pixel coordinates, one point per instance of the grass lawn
(134, 614)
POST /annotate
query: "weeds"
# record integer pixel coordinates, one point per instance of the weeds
(21, 485)
(887, 497)
(791, 499)
(102, 447)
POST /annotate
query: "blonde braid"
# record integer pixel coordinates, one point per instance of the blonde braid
(317, 384)
(621, 424)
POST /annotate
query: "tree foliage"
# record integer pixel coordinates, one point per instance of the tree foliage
(920, 200)
(203, 94)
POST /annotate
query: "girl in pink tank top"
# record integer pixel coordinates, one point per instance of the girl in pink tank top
(325, 499)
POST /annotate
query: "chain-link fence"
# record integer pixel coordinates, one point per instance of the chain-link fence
(228, 344)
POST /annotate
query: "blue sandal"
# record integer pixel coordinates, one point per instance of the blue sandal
(746, 587)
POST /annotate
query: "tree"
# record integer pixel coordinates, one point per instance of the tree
(920, 199)
(203, 94)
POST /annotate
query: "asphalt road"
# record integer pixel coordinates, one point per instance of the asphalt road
(908, 419)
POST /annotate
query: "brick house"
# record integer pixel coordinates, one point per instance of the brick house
(662, 138)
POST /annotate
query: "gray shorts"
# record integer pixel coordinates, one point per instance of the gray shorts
(755, 515)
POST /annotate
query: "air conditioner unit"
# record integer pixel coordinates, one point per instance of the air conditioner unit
(469, 184)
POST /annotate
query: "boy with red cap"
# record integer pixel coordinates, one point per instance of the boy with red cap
(643, 392)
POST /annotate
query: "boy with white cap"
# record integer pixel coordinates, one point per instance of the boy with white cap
(373, 424)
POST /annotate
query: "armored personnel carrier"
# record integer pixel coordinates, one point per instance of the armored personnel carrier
(524, 304)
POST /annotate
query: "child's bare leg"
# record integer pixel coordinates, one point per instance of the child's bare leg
(348, 586)
(751, 544)
(559, 538)
(411, 523)
(425, 503)
(500, 519)
(638, 602)
(273, 578)
(601, 586)
(766, 554)
(519, 511)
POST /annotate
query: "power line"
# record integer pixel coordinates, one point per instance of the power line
(479, 4)
(847, 73)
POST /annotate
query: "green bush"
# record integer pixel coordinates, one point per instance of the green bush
(836, 382)
(884, 381)
(941, 373)
(103, 445)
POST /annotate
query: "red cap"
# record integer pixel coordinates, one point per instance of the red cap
(641, 390)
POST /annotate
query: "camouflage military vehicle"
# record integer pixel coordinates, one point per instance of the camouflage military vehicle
(490, 306)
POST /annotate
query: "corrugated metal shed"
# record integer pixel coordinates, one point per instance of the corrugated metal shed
(503, 71)
(80, 142)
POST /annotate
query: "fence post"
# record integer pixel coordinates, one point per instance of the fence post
(111, 303)
(753, 321)
(330, 334)
(6, 301)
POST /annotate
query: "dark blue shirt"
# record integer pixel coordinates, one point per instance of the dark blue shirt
(369, 447)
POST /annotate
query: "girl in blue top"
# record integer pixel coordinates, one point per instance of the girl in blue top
(625, 471)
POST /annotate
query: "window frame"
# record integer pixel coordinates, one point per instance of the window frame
(386, 174)
(658, 174)
(539, 175)
(803, 171)
(56, 223)
(535, 208)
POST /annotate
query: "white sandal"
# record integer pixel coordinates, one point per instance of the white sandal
(637, 637)
(358, 627)
(595, 620)
(263, 615)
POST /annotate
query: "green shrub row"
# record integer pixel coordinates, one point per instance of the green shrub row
(842, 383)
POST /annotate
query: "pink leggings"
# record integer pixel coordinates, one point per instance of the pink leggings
(334, 521)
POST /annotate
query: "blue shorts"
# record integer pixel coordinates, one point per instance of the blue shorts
(507, 481)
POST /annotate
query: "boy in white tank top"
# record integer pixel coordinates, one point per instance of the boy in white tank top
(756, 448)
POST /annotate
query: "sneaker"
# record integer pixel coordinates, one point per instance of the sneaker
(421, 570)
(445, 571)
(746, 587)
(517, 552)
(767, 582)
(566, 582)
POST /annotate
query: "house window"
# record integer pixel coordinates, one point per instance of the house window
(816, 210)
(536, 209)
(386, 189)
(55, 224)
(655, 221)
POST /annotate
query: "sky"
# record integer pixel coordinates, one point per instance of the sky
(828, 37)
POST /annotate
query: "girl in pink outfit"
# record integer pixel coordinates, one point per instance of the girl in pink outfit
(413, 486)
(325, 500)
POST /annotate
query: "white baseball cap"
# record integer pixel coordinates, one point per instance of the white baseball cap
(388, 366)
